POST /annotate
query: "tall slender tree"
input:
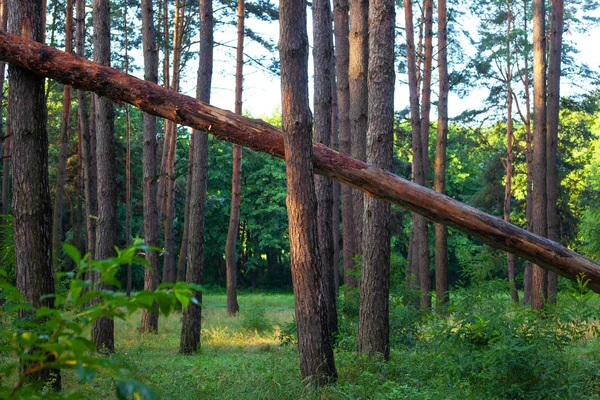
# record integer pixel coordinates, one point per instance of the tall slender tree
(335, 215)
(341, 29)
(552, 113)
(358, 39)
(509, 148)
(103, 332)
(418, 254)
(171, 128)
(423, 234)
(63, 152)
(441, 232)
(4, 134)
(322, 55)
(149, 319)
(88, 145)
(31, 207)
(236, 183)
(127, 156)
(316, 355)
(373, 325)
(192, 316)
(540, 276)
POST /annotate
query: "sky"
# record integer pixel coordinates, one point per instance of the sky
(262, 91)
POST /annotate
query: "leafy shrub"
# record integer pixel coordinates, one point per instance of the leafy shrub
(57, 338)
(255, 320)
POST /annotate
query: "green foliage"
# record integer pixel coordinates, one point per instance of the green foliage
(255, 319)
(57, 338)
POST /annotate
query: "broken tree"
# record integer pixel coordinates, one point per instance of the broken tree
(260, 136)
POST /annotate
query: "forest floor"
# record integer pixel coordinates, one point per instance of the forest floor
(243, 358)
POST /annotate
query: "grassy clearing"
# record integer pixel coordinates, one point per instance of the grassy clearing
(467, 356)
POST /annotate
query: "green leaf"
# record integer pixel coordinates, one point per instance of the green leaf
(72, 252)
(85, 373)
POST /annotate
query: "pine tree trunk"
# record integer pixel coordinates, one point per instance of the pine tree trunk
(260, 136)
(236, 186)
(87, 142)
(540, 276)
(316, 355)
(335, 215)
(357, 78)
(514, 294)
(418, 233)
(106, 227)
(441, 233)
(182, 260)
(528, 273)
(422, 235)
(373, 325)
(31, 209)
(57, 214)
(322, 55)
(192, 316)
(150, 320)
(552, 113)
(4, 135)
(127, 159)
(340, 18)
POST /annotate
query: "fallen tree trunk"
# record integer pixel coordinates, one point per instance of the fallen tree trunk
(260, 136)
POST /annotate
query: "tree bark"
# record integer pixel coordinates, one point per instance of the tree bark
(441, 233)
(57, 214)
(4, 135)
(87, 143)
(103, 332)
(236, 186)
(150, 320)
(322, 55)
(316, 354)
(552, 113)
(335, 216)
(373, 325)
(260, 136)
(417, 254)
(540, 276)
(422, 234)
(358, 65)
(340, 19)
(127, 159)
(514, 294)
(192, 316)
(31, 209)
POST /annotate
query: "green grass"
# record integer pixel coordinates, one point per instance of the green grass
(237, 361)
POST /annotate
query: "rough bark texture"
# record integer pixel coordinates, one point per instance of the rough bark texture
(358, 66)
(260, 136)
(236, 184)
(335, 215)
(103, 332)
(422, 234)
(540, 276)
(441, 233)
(192, 316)
(552, 112)
(31, 194)
(127, 159)
(182, 260)
(150, 320)
(316, 354)
(4, 135)
(373, 325)
(57, 213)
(340, 19)
(527, 275)
(87, 150)
(419, 227)
(322, 55)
